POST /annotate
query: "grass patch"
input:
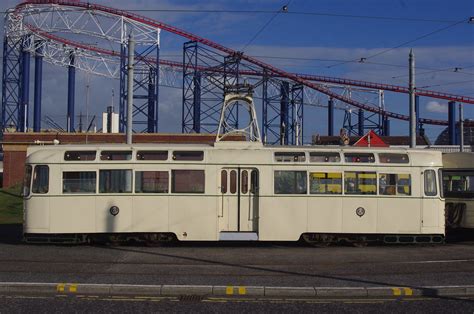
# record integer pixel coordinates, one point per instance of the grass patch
(11, 205)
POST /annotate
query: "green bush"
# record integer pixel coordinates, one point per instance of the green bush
(11, 205)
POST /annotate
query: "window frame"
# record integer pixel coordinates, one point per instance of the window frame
(151, 152)
(294, 191)
(396, 185)
(125, 191)
(173, 178)
(425, 181)
(135, 178)
(78, 152)
(294, 156)
(27, 180)
(174, 155)
(345, 185)
(118, 152)
(78, 171)
(326, 173)
(384, 156)
(354, 155)
(35, 190)
(322, 154)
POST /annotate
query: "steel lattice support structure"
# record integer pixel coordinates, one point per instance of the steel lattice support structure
(145, 91)
(282, 112)
(203, 88)
(16, 79)
(55, 33)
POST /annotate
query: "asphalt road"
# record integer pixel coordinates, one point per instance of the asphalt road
(35, 304)
(240, 264)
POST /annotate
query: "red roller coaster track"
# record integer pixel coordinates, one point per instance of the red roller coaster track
(307, 80)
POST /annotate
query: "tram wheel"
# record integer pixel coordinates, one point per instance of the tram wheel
(360, 242)
(320, 241)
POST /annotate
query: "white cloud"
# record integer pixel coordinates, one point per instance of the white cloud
(434, 106)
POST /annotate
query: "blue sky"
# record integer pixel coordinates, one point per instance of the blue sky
(314, 36)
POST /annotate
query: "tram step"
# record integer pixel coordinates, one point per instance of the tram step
(238, 236)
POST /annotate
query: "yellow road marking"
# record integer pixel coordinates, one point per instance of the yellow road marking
(229, 290)
(60, 287)
(408, 291)
(242, 290)
(73, 288)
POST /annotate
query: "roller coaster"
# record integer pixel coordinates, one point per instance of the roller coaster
(93, 38)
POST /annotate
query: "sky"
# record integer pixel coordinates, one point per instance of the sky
(313, 37)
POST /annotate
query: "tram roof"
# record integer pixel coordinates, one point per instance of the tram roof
(55, 153)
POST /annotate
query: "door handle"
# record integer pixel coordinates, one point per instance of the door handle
(222, 207)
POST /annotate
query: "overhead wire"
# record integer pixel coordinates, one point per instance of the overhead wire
(451, 69)
(449, 83)
(363, 59)
(328, 14)
(284, 8)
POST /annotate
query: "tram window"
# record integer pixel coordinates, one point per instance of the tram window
(188, 155)
(290, 156)
(245, 182)
(430, 183)
(360, 182)
(254, 182)
(152, 155)
(88, 155)
(79, 182)
(359, 157)
(224, 181)
(187, 181)
(390, 158)
(115, 155)
(324, 157)
(27, 180)
(41, 180)
(233, 182)
(290, 182)
(325, 183)
(458, 183)
(151, 181)
(115, 181)
(394, 184)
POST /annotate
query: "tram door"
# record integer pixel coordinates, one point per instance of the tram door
(239, 189)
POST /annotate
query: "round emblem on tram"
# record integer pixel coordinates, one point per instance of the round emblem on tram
(114, 210)
(360, 211)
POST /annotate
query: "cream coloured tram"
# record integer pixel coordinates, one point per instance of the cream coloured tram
(232, 191)
(458, 189)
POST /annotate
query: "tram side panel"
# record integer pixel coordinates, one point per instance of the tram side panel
(192, 216)
(283, 217)
(399, 207)
(433, 220)
(325, 203)
(151, 202)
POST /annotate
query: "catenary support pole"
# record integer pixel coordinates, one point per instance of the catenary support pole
(360, 122)
(330, 117)
(131, 56)
(452, 123)
(38, 88)
(461, 128)
(25, 92)
(411, 88)
(71, 89)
